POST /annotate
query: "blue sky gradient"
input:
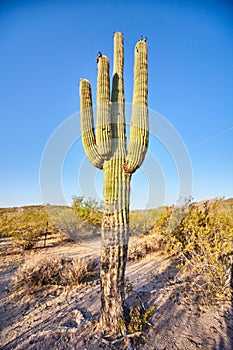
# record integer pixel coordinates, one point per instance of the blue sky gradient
(46, 46)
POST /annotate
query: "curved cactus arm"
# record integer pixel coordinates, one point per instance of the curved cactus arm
(87, 124)
(103, 120)
(117, 96)
(139, 134)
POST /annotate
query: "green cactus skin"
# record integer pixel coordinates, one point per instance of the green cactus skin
(88, 136)
(103, 123)
(138, 141)
(107, 150)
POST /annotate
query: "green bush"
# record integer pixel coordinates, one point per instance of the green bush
(88, 210)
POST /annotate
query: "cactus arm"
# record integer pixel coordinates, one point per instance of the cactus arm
(118, 66)
(117, 96)
(139, 134)
(103, 123)
(87, 124)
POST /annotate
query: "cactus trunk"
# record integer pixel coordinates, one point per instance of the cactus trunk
(107, 150)
(115, 235)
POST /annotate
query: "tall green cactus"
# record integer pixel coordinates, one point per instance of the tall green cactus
(106, 149)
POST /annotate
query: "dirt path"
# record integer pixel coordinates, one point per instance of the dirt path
(66, 318)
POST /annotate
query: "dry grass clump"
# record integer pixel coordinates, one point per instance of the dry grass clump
(44, 271)
(143, 246)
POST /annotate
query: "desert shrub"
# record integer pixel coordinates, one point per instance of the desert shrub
(208, 248)
(88, 210)
(142, 221)
(66, 221)
(45, 271)
(81, 221)
(26, 228)
(202, 237)
(142, 247)
(25, 225)
(137, 252)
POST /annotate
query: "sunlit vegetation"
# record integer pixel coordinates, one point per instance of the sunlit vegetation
(25, 225)
(30, 224)
(142, 221)
(200, 235)
(89, 210)
(45, 271)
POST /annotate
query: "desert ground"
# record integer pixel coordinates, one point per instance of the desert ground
(66, 317)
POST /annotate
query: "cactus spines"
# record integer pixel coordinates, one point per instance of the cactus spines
(107, 150)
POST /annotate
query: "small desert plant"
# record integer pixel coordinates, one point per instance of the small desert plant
(45, 271)
(139, 319)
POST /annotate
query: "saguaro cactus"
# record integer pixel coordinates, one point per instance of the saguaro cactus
(106, 149)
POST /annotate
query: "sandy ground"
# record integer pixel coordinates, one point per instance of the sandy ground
(67, 318)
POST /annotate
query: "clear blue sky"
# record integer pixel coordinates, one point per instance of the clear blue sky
(46, 46)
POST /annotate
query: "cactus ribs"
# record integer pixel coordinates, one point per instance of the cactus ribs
(107, 150)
